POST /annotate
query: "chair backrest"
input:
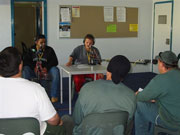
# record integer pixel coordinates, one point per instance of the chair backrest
(19, 126)
(158, 130)
(24, 47)
(110, 123)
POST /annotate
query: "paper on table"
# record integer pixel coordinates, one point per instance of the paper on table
(81, 66)
(140, 89)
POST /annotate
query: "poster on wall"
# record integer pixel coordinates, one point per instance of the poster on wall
(64, 22)
(64, 29)
(65, 14)
(108, 14)
(121, 14)
(76, 11)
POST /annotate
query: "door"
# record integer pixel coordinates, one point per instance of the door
(25, 24)
(162, 34)
(29, 18)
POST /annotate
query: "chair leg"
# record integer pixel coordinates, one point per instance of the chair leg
(72, 89)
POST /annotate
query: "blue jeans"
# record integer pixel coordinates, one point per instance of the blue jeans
(146, 117)
(29, 74)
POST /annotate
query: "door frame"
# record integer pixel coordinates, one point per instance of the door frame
(171, 30)
(12, 17)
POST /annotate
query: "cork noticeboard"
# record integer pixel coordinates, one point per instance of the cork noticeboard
(91, 21)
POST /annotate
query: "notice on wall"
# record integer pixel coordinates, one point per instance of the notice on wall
(121, 14)
(76, 11)
(108, 14)
(65, 14)
(133, 27)
(64, 29)
(64, 22)
(111, 28)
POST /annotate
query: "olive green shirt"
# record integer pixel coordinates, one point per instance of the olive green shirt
(165, 89)
(102, 96)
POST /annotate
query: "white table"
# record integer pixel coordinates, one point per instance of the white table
(76, 70)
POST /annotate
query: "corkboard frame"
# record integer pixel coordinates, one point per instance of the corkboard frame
(91, 21)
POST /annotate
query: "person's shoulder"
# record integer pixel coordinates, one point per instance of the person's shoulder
(30, 84)
(160, 76)
(32, 49)
(49, 47)
(90, 88)
(95, 48)
(33, 83)
(100, 81)
(94, 84)
(173, 73)
(79, 46)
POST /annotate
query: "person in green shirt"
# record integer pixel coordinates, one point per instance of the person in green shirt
(159, 102)
(109, 95)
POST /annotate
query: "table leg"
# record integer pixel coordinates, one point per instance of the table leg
(70, 94)
(61, 82)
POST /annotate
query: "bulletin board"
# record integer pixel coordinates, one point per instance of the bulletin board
(91, 21)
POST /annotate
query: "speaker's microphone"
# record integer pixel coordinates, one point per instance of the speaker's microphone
(145, 61)
(41, 47)
(154, 61)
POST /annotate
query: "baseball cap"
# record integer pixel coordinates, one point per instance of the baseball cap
(168, 57)
(119, 66)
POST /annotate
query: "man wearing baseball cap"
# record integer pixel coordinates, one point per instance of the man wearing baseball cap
(109, 95)
(159, 102)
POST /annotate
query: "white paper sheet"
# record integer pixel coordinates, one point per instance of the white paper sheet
(108, 14)
(121, 14)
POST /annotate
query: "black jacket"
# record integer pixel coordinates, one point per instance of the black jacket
(48, 59)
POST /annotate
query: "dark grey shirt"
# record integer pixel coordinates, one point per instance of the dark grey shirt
(79, 55)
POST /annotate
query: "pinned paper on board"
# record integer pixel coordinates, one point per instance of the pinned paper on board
(111, 28)
(64, 21)
(133, 27)
(65, 14)
(108, 14)
(76, 11)
(121, 14)
(64, 29)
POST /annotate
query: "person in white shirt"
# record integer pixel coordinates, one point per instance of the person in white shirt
(22, 98)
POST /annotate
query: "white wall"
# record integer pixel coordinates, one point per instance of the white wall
(176, 27)
(133, 48)
(5, 24)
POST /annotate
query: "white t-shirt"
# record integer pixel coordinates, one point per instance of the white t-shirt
(22, 98)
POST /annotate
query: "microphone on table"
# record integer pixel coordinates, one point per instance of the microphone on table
(94, 57)
(140, 61)
(145, 61)
(154, 61)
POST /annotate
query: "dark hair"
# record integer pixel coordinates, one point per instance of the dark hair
(41, 36)
(10, 59)
(89, 36)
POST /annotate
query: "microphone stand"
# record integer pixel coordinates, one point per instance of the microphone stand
(94, 58)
